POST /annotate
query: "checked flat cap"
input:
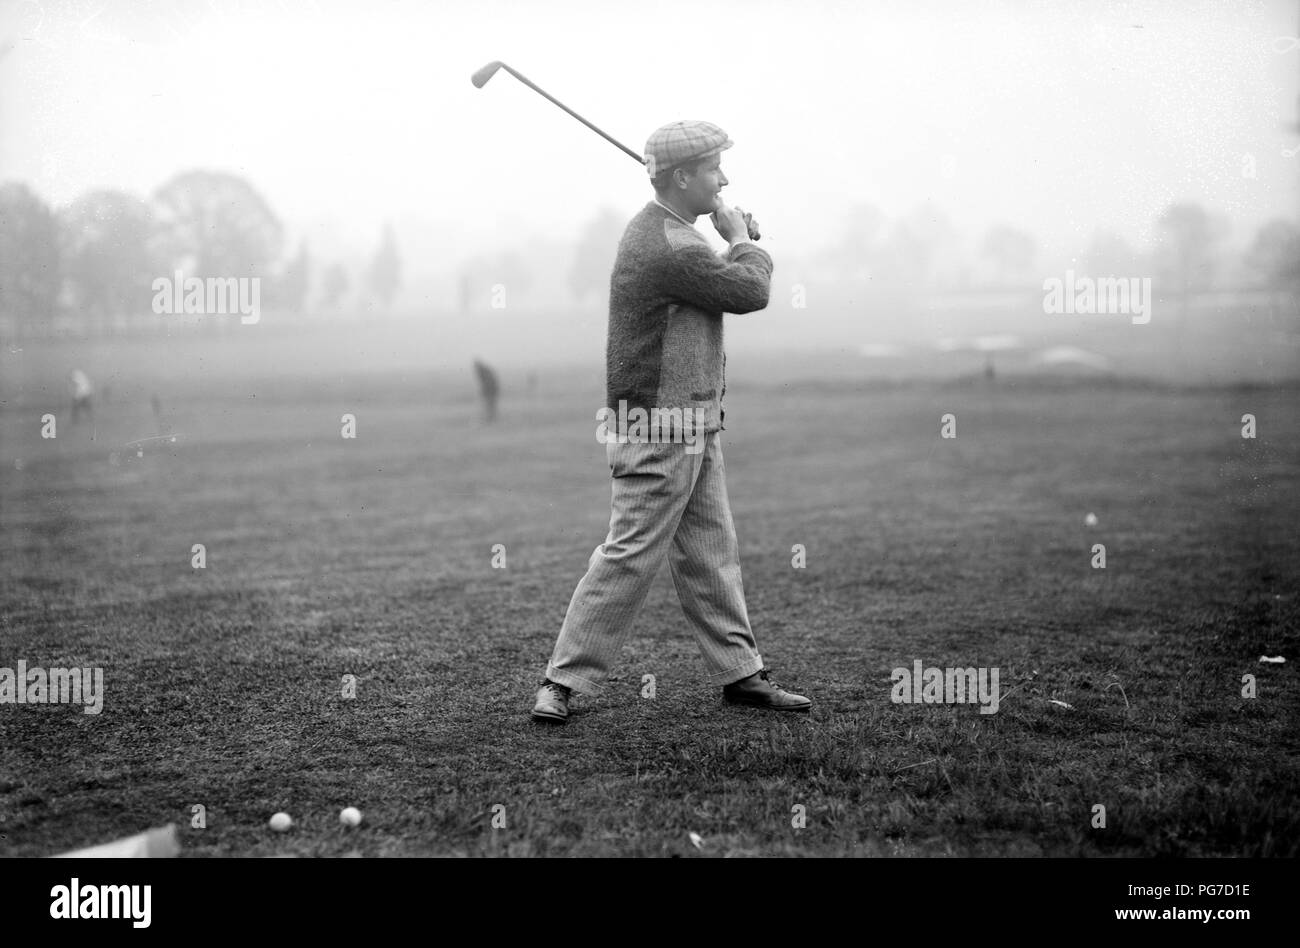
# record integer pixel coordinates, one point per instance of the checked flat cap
(679, 142)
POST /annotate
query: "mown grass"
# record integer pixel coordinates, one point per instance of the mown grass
(373, 558)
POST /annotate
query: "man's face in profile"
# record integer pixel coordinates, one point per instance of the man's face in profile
(703, 186)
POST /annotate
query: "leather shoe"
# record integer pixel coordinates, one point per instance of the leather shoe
(760, 691)
(552, 703)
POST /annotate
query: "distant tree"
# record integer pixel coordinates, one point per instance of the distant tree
(465, 289)
(385, 276)
(1187, 251)
(1012, 252)
(593, 259)
(29, 257)
(213, 224)
(334, 285)
(915, 246)
(1186, 257)
(853, 255)
(106, 254)
(289, 289)
(1275, 254)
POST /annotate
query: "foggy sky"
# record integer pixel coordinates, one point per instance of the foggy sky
(1061, 119)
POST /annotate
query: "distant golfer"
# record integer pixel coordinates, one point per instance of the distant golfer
(488, 388)
(82, 391)
(664, 351)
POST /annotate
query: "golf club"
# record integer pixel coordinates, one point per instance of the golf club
(481, 77)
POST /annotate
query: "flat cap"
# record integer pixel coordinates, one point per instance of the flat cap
(680, 142)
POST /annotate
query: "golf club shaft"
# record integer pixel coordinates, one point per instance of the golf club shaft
(542, 92)
(481, 78)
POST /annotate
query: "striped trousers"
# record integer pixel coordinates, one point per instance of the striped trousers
(665, 503)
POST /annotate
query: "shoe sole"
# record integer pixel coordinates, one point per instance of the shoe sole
(770, 707)
(542, 717)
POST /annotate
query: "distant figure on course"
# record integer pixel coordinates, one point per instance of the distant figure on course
(164, 429)
(488, 387)
(79, 385)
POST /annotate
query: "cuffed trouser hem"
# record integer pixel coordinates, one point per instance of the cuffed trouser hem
(573, 682)
(732, 675)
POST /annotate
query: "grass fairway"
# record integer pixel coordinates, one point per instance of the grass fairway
(373, 557)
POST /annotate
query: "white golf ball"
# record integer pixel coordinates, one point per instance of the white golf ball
(350, 816)
(281, 822)
(1090, 520)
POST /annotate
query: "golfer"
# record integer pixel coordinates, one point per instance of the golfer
(664, 355)
(82, 392)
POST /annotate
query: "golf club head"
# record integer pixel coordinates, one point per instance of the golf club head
(481, 77)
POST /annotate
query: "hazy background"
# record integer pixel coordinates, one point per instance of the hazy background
(919, 170)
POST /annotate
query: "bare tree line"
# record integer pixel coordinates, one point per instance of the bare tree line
(93, 261)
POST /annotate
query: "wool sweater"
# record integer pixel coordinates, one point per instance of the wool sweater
(667, 295)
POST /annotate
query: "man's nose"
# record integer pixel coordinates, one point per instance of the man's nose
(722, 180)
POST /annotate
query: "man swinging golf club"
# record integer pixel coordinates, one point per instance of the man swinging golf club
(664, 355)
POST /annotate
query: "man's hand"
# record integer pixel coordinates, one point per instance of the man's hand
(750, 224)
(733, 223)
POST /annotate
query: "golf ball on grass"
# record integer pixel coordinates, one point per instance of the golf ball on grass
(281, 822)
(350, 816)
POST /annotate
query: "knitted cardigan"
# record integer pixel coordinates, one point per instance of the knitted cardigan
(667, 295)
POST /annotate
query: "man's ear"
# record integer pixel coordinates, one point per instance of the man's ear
(679, 177)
